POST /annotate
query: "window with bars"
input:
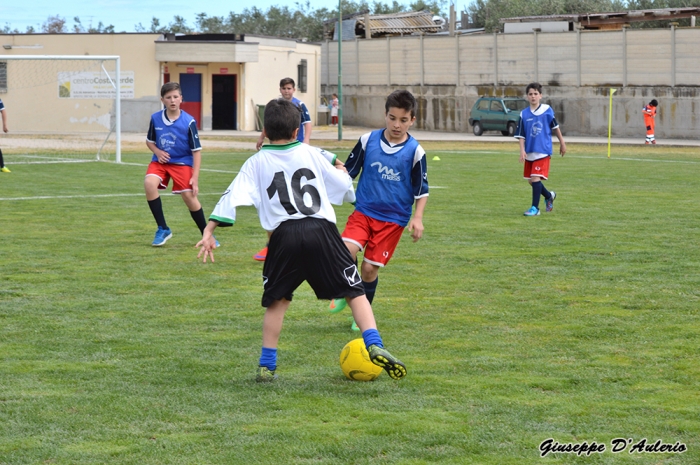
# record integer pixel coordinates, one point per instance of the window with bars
(3, 77)
(302, 72)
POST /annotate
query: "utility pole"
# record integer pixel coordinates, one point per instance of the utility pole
(340, 70)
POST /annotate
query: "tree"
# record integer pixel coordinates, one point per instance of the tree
(437, 7)
(303, 22)
(178, 26)
(379, 8)
(7, 29)
(54, 25)
(100, 29)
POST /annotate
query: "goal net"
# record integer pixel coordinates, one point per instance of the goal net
(61, 108)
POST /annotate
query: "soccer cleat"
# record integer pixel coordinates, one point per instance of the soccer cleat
(647, 142)
(392, 365)
(654, 142)
(533, 211)
(354, 326)
(5, 169)
(217, 242)
(265, 375)
(162, 236)
(337, 305)
(550, 201)
(262, 255)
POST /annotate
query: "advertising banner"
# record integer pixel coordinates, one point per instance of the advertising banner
(94, 84)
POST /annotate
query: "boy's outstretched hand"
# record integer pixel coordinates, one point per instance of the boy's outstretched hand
(207, 246)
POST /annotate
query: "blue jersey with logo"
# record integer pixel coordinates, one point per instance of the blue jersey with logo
(179, 138)
(393, 176)
(305, 117)
(536, 128)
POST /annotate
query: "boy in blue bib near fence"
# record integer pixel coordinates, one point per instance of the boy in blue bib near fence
(535, 128)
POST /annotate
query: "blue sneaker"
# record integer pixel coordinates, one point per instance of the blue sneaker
(162, 236)
(217, 242)
(550, 202)
(533, 211)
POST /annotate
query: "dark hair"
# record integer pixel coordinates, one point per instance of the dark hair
(534, 85)
(654, 103)
(169, 87)
(282, 117)
(285, 81)
(402, 99)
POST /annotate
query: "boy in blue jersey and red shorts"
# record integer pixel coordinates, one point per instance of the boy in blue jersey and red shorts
(534, 132)
(293, 190)
(177, 155)
(394, 178)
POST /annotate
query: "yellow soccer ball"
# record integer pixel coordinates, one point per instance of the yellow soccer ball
(355, 362)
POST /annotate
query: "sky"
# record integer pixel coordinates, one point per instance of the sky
(126, 14)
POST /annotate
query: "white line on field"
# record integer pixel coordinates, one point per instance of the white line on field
(54, 197)
(201, 169)
(470, 152)
(51, 161)
(54, 161)
(465, 152)
(638, 159)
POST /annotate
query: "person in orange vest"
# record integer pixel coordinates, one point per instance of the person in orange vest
(649, 112)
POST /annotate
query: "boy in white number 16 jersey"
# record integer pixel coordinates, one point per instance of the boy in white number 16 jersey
(293, 186)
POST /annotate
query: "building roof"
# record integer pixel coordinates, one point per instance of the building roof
(400, 23)
(598, 19)
(391, 24)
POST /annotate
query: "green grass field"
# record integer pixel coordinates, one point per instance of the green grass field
(579, 325)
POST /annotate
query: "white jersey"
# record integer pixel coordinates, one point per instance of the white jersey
(286, 182)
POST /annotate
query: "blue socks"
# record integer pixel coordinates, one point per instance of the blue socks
(268, 358)
(370, 289)
(372, 337)
(536, 194)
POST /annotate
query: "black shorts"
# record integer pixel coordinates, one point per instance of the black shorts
(309, 250)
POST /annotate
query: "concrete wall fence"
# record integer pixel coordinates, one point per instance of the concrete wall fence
(577, 69)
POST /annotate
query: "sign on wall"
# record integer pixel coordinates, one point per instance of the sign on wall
(94, 84)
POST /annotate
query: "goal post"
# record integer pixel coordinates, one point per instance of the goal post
(62, 107)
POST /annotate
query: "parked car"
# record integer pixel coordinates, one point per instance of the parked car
(496, 114)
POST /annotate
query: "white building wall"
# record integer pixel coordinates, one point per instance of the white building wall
(278, 58)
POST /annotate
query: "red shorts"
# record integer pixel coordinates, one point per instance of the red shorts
(537, 168)
(378, 239)
(180, 174)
